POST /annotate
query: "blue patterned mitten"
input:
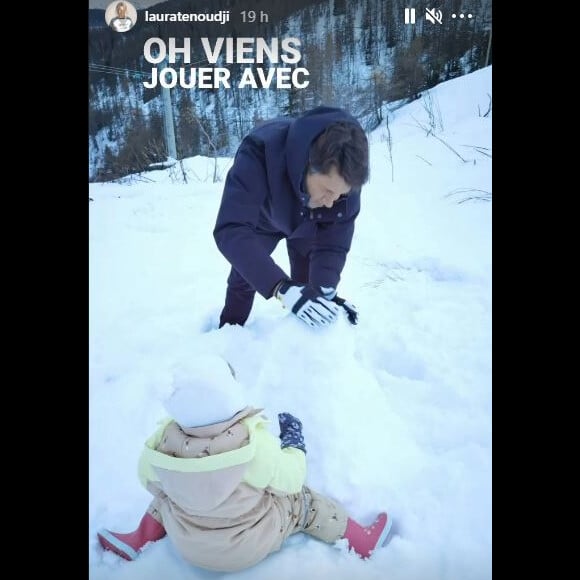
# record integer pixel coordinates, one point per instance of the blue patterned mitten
(291, 431)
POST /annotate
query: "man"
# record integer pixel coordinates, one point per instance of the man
(298, 179)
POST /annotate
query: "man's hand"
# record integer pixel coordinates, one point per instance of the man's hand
(291, 431)
(350, 309)
(307, 303)
(330, 294)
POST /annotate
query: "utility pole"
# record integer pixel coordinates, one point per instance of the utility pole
(488, 48)
(168, 125)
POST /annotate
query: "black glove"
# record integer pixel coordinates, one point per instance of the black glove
(350, 309)
(291, 432)
(330, 294)
(307, 303)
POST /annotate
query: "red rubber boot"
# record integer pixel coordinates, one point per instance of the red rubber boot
(129, 546)
(365, 540)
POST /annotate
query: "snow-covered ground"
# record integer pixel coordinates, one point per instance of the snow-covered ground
(396, 411)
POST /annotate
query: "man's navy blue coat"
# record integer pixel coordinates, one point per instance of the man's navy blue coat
(263, 196)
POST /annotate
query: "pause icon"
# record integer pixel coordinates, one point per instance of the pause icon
(409, 16)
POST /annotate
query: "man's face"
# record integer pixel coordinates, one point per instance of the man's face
(121, 10)
(325, 189)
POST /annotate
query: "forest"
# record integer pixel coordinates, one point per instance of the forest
(361, 55)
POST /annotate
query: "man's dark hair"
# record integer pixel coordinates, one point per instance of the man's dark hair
(344, 146)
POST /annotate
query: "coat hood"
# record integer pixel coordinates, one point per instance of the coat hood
(212, 460)
(302, 132)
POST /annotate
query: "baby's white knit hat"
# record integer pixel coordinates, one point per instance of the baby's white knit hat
(204, 392)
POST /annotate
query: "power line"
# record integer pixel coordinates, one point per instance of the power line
(97, 67)
(105, 69)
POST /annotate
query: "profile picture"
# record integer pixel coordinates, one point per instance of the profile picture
(121, 15)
